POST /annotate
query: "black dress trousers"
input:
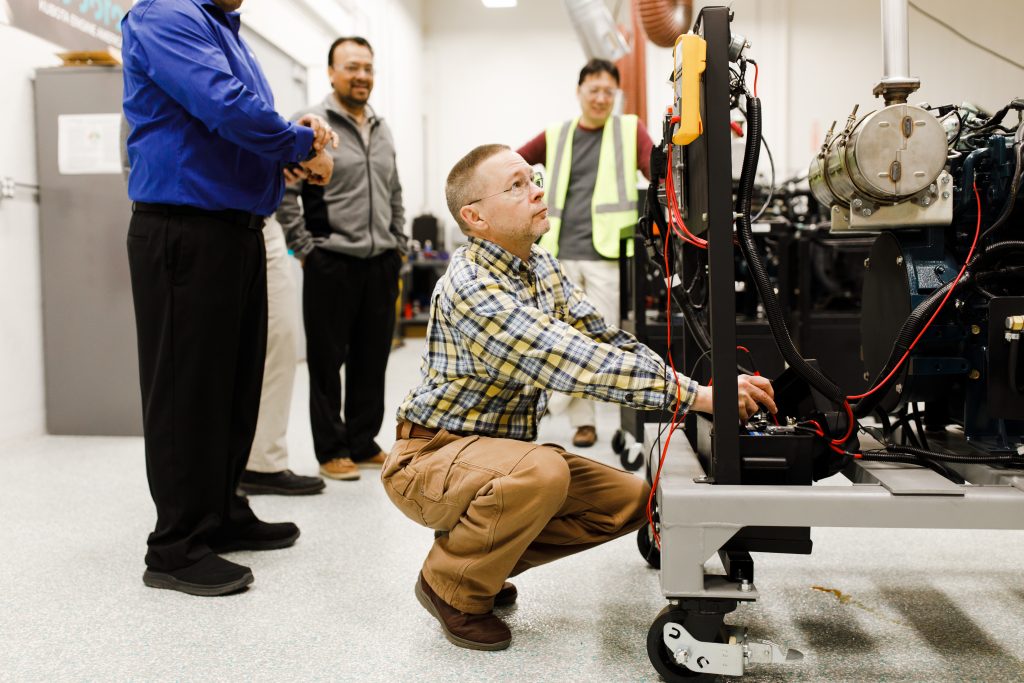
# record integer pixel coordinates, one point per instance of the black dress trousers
(348, 304)
(199, 284)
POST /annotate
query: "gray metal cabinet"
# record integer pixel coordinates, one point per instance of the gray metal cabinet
(91, 366)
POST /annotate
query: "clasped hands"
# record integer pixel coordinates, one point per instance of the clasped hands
(318, 169)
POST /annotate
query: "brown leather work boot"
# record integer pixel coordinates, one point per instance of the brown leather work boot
(473, 631)
(340, 468)
(374, 461)
(506, 596)
(585, 437)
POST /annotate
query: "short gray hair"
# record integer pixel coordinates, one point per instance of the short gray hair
(462, 183)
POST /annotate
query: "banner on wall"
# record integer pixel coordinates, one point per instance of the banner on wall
(72, 24)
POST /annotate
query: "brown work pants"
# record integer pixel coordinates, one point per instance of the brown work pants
(506, 506)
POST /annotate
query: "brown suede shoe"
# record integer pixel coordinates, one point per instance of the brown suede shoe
(376, 461)
(473, 631)
(585, 437)
(340, 468)
(506, 596)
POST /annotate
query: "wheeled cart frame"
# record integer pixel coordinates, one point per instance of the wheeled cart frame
(698, 518)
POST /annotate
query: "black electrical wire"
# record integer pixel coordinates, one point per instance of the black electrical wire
(936, 466)
(920, 429)
(921, 454)
(919, 316)
(1011, 199)
(769, 299)
(959, 128)
(771, 187)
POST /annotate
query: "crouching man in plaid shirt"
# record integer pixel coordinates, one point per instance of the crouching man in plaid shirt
(507, 326)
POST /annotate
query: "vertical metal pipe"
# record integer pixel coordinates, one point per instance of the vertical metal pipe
(896, 83)
(895, 40)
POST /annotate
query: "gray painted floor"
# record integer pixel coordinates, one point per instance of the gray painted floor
(867, 606)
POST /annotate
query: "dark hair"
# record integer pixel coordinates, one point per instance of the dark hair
(358, 40)
(462, 182)
(597, 66)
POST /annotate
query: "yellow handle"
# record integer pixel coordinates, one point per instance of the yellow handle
(690, 58)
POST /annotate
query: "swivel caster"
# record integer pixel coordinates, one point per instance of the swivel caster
(618, 441)
(645, 544)
(703, 626)
(629, 450)
(689, 641)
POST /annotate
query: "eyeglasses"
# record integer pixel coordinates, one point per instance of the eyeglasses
(354, 69)
(519, 189)
(610, 93)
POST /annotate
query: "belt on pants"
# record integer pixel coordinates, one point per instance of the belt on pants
(243, 219)
(411, 430)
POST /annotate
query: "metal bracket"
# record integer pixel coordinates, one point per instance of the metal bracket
(727, 659)
(931, 206)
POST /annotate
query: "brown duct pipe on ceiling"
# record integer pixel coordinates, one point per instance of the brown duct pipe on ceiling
(663, 21)
(633, 68)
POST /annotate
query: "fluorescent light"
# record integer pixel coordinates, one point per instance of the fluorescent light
(497, 4)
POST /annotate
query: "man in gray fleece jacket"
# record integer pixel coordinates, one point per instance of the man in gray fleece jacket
(349, 236)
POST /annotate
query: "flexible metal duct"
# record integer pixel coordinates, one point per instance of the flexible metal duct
(596, 28)
(665, 20)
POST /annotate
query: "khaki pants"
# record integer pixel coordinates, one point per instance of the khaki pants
(269, 452)
(507, 506)
(599, 281)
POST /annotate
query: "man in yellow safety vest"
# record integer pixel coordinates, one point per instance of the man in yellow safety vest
(591, 164)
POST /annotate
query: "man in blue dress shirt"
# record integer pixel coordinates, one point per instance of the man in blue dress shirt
(206, 151)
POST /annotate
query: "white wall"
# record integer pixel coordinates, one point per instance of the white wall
(452, 74)
(305, 30)
(502, 75)
(493, 75)
(302, 28)
(21, 325)
(819, 59)
(950, 69)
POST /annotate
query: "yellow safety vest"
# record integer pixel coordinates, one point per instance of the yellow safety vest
(614, 204)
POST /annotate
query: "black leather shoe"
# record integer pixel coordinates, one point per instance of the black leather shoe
(258, 536)
(210, 576)
(285, 483)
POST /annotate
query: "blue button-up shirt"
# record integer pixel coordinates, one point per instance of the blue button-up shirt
(203, 127)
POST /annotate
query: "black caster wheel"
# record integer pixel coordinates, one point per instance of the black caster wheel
(705, 627)
(618, 441)
(632, 458)
(645, 544)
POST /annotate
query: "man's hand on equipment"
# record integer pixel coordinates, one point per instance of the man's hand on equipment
(322, 133)
(752, 390)
(319, 168)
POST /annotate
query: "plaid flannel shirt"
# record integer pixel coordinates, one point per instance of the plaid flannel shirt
(504, 332)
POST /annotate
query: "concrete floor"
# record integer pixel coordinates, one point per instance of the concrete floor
(868, 605)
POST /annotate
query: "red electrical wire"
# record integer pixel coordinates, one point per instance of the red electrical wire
(676, 417)
(849, 425)
(755, 79)
(674, 214)
(977, 233)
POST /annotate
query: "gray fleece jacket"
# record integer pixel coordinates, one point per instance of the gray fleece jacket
(359, 212)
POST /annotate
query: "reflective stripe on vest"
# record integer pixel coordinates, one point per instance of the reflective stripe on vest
(614, 203)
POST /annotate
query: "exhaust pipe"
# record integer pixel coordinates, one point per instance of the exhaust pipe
(896, 83)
